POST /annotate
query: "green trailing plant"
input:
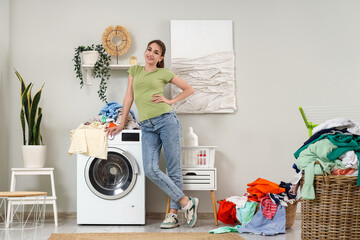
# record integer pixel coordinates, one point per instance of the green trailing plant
(30, 114)
(101, 68)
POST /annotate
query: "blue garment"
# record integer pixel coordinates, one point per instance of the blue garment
(295, 167)
(164, 130)
(268, 227)
(111, 110)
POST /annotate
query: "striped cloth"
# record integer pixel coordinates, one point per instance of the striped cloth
(90, 140)
(269, 208)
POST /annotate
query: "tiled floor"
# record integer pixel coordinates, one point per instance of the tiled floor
(152, 225)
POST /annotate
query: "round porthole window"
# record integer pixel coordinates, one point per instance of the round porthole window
(112, 178)
(116, 40)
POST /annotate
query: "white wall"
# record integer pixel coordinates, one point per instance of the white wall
(4, 96)
(288, 53)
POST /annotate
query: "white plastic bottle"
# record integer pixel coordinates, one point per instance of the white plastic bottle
(190, 138)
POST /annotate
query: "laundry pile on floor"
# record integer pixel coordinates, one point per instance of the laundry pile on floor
(334, 148)
(90, 137)
(269, 220)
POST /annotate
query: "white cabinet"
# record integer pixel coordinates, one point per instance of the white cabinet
(199, 179)
(199, 173)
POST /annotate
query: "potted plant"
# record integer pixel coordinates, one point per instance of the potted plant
(34, 152)
(101, 67)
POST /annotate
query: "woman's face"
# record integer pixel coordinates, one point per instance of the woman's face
(153, 54)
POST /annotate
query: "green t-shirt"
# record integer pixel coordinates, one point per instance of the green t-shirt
(145, 85)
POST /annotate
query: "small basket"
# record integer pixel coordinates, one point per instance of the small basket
(291, 214)
(198, 157)
(334, 213)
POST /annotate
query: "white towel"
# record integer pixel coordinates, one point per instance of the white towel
(239, 201)
(351, 126)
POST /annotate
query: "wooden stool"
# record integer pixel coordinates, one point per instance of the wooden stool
(37, 171)
(12, 206)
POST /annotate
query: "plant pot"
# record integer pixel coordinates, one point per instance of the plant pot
(34, 156)
(89, 57)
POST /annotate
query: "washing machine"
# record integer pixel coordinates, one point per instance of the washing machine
(112, 191)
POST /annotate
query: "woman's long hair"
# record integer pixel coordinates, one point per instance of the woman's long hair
(160, 64)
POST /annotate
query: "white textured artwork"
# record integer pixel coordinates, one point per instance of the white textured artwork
(212, 77)
(205, 61)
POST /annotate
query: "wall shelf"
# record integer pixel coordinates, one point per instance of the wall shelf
(89, 69)
(112, 66)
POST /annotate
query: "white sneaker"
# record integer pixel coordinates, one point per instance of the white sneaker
(191, 213)
(169, 222)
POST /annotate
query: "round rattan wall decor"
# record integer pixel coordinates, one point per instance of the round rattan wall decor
(116, 40)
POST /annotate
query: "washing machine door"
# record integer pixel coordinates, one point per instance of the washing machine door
(112, 178)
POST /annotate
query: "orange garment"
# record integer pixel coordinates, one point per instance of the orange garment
(112, 125)
(347, 171)
(260, 187)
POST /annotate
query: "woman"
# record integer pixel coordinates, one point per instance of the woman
(160, 127)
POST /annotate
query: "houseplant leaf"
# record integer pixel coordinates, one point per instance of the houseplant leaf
(32, 115)
(23, 87)
(36, 130)
(25, 102)
(22, 119)
(29, 96)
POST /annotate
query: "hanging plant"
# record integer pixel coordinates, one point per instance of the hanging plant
(101, 68)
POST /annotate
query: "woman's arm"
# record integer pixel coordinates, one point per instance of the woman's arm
(128, 100)
(187, 91)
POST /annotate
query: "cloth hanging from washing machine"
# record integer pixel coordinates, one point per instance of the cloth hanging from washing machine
(90, 140)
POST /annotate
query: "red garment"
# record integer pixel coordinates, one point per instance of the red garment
(227, 212)
(260, 187)
(269, 208)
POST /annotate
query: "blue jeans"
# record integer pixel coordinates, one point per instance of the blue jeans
(163, 131)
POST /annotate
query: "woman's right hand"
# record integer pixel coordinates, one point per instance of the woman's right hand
(113, 130)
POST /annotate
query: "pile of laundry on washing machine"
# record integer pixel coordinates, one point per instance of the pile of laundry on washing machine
(90, 137)
(111, 114)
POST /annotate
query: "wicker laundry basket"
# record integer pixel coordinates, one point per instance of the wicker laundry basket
(335, 212)
(291, 214)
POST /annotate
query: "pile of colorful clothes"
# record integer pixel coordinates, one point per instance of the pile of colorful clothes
(271, 217)
(334, 148)
(111, 114)
(90, 138)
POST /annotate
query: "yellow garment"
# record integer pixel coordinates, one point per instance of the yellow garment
(90, 140)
